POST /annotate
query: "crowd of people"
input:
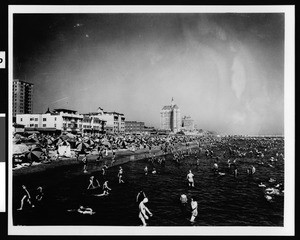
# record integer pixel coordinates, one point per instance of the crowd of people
(225, 154)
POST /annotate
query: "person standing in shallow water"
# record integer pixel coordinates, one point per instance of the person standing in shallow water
(27, 197)
(143, 211)
(190, 178)
(194, 206)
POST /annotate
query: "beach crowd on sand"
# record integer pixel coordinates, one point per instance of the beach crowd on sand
(225, 153)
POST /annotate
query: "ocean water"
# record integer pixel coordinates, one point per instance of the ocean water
(222, 200)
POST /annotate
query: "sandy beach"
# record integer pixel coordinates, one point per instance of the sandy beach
(122, 156)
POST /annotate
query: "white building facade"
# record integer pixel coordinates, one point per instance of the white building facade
(170, 118)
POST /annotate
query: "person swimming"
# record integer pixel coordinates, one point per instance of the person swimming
(154, 171)
(146, 170)
(39, 196)
(83, 210)
(190, 178)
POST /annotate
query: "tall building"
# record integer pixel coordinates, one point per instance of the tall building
(170, 118)
(188, 123)
(22, 97)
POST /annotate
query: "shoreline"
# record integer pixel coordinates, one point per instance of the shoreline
(122, 157)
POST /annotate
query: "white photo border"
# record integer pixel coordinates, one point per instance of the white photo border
(288, 228)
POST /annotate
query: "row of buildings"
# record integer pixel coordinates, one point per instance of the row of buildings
(101, 121)
(66, 120)
(170, 119)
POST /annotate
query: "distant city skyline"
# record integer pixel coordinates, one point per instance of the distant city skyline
(226, 71)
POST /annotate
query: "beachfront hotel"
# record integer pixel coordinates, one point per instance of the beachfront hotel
(188, 123)
(22, 97)
(170, 118)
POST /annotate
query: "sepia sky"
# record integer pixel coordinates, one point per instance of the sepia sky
(226, 71)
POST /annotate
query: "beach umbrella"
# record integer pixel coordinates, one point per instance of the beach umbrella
(34, 154)
(32, 140)
(64, 143)
(57, 141)
(20, 148)
(90, 142)
(70, 135)
(81, 146)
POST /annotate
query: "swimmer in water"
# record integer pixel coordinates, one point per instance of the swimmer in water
(190, 178)
(183, 200)
(194, 206)
(40, 194)
(146, 170)
(83, 210)
(154, 171)
(143, 211)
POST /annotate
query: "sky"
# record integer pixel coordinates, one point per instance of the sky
(225, 70)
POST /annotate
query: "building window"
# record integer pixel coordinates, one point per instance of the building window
(35, 125)
(36, 119)
(55, 125)
(31, 119)
(44, 119)
(21, 119)
(44, 125)
(31, 125)
(55, 119)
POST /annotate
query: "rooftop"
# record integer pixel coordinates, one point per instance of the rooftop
(170, 107)
(65, 110)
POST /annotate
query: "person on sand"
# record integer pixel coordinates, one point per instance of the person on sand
(194, 207)
(113, 158)
(27, 197)
(190, 178)
(100, 156)
(143, 211)
(84, 162)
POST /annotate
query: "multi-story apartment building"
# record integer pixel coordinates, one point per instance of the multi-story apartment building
(114, 122)
(59, 120)
(170, 118)
(134, 127)
(22, 97)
